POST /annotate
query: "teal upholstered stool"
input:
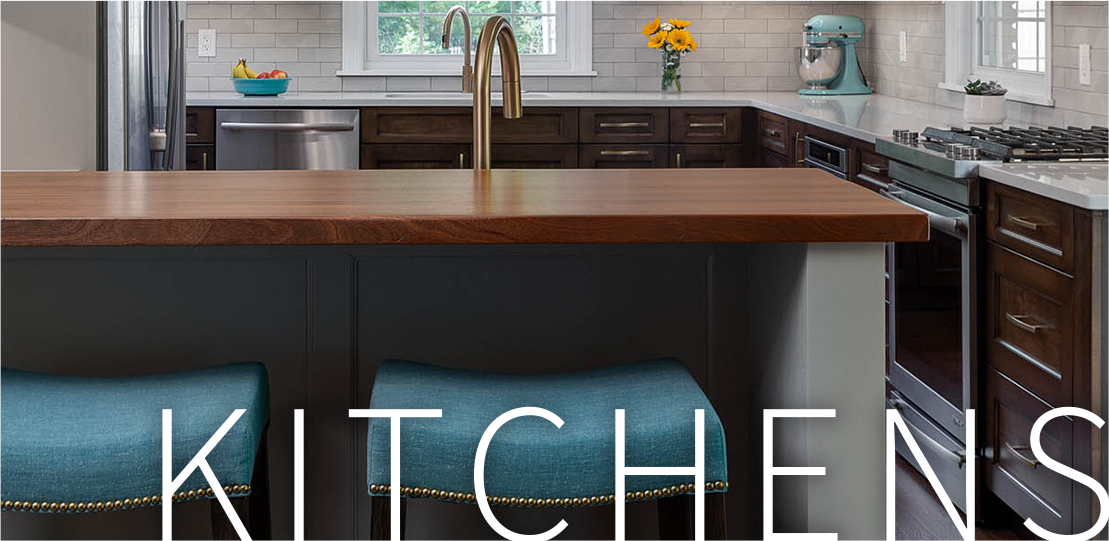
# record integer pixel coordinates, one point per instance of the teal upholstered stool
(89, 444)
(530, 462)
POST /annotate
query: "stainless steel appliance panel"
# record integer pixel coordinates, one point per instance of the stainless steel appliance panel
(287, 139)
(823, 155)
(946, 456)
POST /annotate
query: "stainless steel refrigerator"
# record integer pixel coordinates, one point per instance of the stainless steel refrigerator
(142, 85)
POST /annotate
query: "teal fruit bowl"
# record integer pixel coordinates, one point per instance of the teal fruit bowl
(261, 87)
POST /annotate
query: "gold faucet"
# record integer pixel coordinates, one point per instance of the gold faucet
(497, 31)
(467, 71)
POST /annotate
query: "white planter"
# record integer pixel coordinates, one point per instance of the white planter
(984, 109)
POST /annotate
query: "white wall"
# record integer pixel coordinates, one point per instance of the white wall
(48, 85)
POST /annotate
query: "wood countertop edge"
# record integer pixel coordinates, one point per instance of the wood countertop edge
(414, 230)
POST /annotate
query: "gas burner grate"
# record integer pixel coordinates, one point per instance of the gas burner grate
(1042, 144)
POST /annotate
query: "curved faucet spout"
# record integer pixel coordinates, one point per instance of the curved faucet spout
(467, 71)
(497, 31)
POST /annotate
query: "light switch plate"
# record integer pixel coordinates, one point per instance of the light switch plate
(1084, 64)
(903, 47)
(206, 42)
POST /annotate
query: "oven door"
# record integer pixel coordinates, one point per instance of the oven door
(933, 314)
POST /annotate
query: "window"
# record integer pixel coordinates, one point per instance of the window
(405, 38)
(1007, 41)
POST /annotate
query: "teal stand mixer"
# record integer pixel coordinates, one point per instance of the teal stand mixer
(827, 61)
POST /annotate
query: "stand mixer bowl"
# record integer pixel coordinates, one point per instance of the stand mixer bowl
(819, 65)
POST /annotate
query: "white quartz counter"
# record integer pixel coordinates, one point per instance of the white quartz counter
(861, 117)
(1081, 185)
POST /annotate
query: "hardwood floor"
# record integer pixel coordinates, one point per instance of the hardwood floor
(920, 515)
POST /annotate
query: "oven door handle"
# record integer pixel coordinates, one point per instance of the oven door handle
(921, 437)
(947, 224)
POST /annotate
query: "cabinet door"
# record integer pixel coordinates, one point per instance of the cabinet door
(624, 125)
(546, 125)
(704, 125)
(624, 156)
(775, 134)
(769, 158)
(200, 125)
(705, 156)
(200, 157)
(384, 156)
(535, 156)
(417, 125)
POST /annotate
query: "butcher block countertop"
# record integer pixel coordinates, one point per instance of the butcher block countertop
(211, 208)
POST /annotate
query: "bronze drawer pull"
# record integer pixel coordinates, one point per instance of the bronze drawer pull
(204, 161)
(1016, 320)
(1017, 453)
(623, 124)
(873, 168)
(1027, 224)
(461, 161)
(679, 160)
(625, 153)
(706, 124)
(771, 133)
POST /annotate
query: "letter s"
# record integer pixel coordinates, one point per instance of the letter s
(1071, 473)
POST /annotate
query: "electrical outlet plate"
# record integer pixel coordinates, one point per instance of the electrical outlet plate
(1084, 64)
(206, 42)
(903, 47)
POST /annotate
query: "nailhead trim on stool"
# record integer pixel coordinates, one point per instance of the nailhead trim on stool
(113, 505)
(515, 501)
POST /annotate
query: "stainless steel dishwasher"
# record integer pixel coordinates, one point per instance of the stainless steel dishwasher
(287, 139)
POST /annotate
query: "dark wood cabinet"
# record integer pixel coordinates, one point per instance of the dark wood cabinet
(705, 125)
(200, 125)
(868, 168)
(417, 156)
(624, 156)
(535, 156)
(417, 125)
(200, 157)
(1037, 227)
(775, 134)
(624, 125)
(705, 156)
(546, 125)
(769, 158)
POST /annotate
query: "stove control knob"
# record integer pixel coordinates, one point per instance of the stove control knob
(950, 149)
(912, 136)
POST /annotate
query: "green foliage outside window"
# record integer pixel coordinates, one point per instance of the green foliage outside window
(412, 28)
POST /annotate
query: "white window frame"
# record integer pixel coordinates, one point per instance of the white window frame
(574, 57)
(961, 25)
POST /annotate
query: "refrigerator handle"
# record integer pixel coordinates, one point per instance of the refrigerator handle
(173, 156)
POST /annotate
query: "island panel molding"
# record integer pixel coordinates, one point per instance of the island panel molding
(446, 207)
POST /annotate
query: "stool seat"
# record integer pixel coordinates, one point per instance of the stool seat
(96, 442)
(531, 462)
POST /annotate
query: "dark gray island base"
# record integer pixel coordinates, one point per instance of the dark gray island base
(780, 323)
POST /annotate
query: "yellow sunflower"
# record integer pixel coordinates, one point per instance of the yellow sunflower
(657, 40)
(678, 23)
(680, 40)
(652, 27)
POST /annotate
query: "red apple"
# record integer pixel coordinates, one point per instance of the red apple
(278, 74)
(263, 75)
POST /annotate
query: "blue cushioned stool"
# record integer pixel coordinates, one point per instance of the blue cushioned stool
(73, 444)
(530, 462)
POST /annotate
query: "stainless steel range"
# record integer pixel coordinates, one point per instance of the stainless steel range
(934, 286)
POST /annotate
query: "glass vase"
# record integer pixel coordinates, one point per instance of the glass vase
(671, 71)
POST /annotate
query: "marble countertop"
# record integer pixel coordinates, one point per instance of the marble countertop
(1079, 184)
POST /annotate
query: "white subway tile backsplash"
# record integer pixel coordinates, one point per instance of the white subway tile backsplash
(252, 40)
(298, 11)
(276, 54)
(320, 26)
(254, 11)
(298, 40)
(236, 26)
(208, 11)
(275, 26)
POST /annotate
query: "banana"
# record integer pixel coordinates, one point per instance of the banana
(249, 72)
(239, 71)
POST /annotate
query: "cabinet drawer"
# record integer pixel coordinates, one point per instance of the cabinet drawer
(1030, 325)
(538, 125)
(624, 125)
(200, 157)
(623, 156)
(704, 125)
(705, 156)
(200, 125)
(774, 133)
(769, 158)
(1035, 226)
(1012, 472)
(387, 156)
(417, 125)
(870, 169)
(535, 156)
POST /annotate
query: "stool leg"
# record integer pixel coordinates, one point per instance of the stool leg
(379, 517)
(675, 517)
(260, 524)
(221, 525)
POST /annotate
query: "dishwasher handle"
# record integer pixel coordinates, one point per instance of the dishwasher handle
(287, 126)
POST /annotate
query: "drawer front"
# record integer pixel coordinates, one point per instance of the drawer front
(200, 157)
(942, 452)
(870, 169)
(1030, 325)
(705, 156)
(417, 125)
(623, 156)
(774, 133)
(704, 125)
(200, 125)
(384, 156)
(624, 125)
(538, 125)
(1035, 226)
(535, 156)
(770, 158)
(1012, 472)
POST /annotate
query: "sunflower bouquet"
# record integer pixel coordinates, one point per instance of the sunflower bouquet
(674, 41)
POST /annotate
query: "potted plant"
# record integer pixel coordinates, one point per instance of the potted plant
(674, 41)
(985, 102)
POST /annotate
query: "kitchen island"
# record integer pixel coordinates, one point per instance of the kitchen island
(767, 283)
